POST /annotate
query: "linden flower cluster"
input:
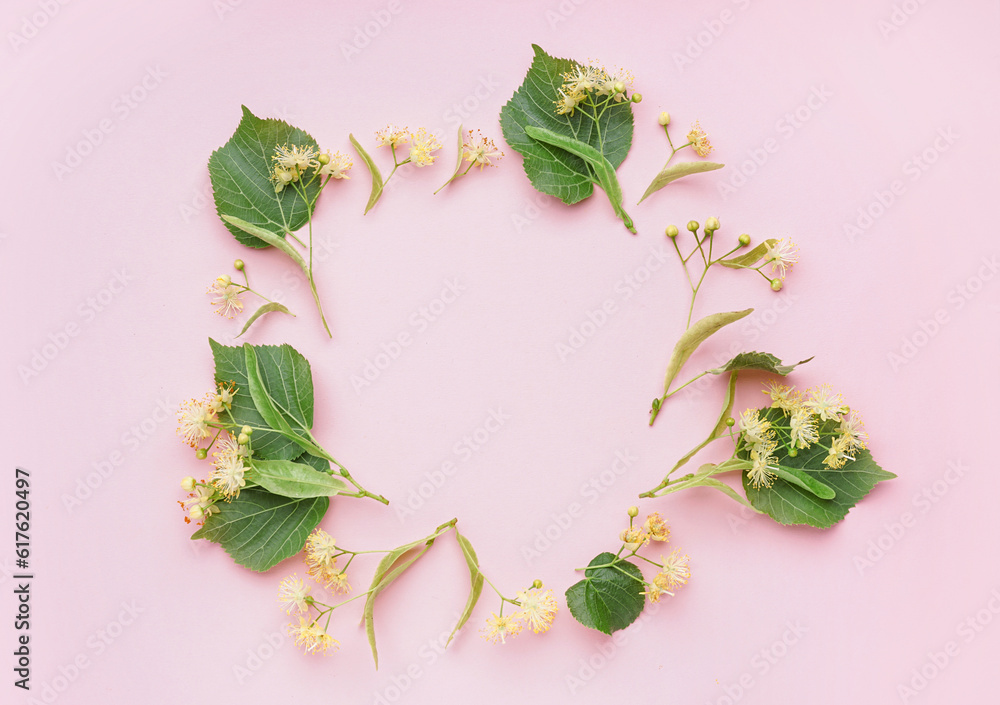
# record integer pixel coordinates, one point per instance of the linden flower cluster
(536, 610)
(196, 421)
(227, 294)
(580, 87)
(422, 145)
(818, 416)
(673, 571)
(321, 554)
(290, 165)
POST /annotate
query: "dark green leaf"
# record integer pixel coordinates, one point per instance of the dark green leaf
(260, 529)
(241, 179)
(608, 598)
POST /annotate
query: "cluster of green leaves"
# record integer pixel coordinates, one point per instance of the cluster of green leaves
(567, 155)
(290, 476)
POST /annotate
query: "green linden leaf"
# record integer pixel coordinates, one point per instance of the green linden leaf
(757, 361)
(567, 175)
(607, 599)
(241, 179)
(791, 499)
(287, 379)
(296, 480)
(260, 529)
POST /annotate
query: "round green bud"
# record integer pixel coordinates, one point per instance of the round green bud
(672, 231)
(633, 512)
(744, 240)
(792, 452)
(712, 224)
(187, 484)
(537, 584)
(196, 512)
(239, 264)
(225, 279)
(730, 421)
(243, 439)
(693, 226)
(619, 87)
(247, 430)
(201, 454)
(637, 97)
(323, 159)
(776, 284)
(664, 118)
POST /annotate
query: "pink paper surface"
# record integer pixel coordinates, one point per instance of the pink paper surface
(877, 115)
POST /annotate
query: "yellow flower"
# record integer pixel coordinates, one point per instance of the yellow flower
(293, 593)
(321, 549)
(803, 428)
(295, 159)
(853, 429)
(499, 628)
(223, 400)
(228, 475)
(699, 140)
(538, 609)
(755, 429)
(392, 136)
(568, 101)
(480, 152)
(281, 177)
(760, 472)
(583, 79)
(825, 403)
(839, 454)
(675, 571)
(335, 166)
(634, 538)
(193, 421)
(201, 502)
(312, 637)
(782, 255)
(783, 397)
(657, 527)
(421, 146)
(227, 297)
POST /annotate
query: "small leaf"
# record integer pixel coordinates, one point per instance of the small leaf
(750, 258)
(677, 171)
(377, 183)
(288, 479)
(476, 586)
(458, 164)
(608, 598)
(260, 529)
(695, 336)
(241, 179)
(266, 308)
(757, 361)
(788, 502)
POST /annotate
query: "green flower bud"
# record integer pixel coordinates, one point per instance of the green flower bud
(792, 452)
(196, 512)
(187, 484)
(730, 421)
(239, 264)
(323, 159)
(776, 284)
(225, 279)
(633, 512)
(619, 87)
(672, 231)
(537, 584)
(664, 118)
(247, 430)
(637, 97)
(243, 439)
(693, 226)
(201, 454)
(712, 224)
(744, 239)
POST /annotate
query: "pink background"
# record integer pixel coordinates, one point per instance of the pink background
(135, 207)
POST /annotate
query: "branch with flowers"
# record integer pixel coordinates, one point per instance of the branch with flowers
(613, 591)
(533, 607)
